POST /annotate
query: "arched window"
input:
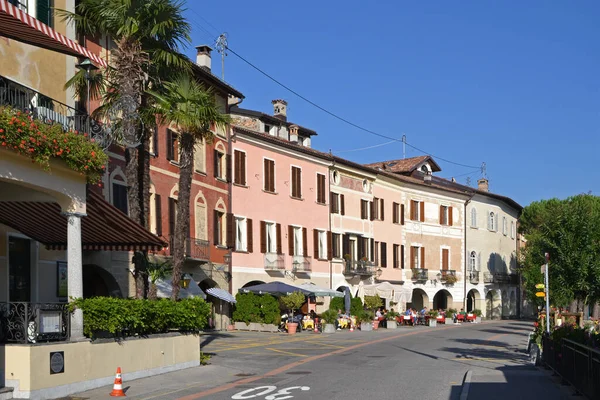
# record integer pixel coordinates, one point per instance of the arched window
(491, 221)
(474, 217)
(504, 226)
(473, 261)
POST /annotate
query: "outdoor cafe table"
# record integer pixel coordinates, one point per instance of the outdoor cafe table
(308, 323)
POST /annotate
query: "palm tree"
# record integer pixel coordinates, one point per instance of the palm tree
(157, 270)
(192, 109)
(147, 36)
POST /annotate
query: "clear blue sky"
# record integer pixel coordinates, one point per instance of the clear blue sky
(510, 83)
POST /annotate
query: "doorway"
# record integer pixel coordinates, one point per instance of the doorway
(19, 269)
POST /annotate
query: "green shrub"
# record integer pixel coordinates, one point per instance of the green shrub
(247, 308)
(269, 310)
(356, 306)
(433, 313)
(391, 315)
(329, 316)
(141, 317)
(365, 316)
(477, 313)
(372, 302)
(337, 303)
(293, 301)
(451, 312)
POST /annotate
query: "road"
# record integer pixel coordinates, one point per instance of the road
(412, 363)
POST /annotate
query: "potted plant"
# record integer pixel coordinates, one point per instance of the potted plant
(293, 302)
(433, 314)
(372, 303)
(477, 316)
(365, 318)
(391, 319)
(329, 317)
(451, 314)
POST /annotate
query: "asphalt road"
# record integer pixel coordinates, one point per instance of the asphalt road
(407, 363)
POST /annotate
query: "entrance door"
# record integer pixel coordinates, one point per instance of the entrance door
(19, 269)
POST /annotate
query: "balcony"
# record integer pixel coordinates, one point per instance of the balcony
(34, 322)
(195, 249)
(448, 276)
(301, 264)
(501, 278)
(46, 109)
(362, 268)
(274, 262)
(474, 277)
(420, 275)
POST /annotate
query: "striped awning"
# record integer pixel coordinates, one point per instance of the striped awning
(18, 25)
(104, 228)
(221, 294)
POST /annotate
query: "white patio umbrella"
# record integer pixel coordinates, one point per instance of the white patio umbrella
(360, 292)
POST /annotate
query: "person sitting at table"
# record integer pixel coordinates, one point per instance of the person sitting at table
(424, 311)
(413, 314)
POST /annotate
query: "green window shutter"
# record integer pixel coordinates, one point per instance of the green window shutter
(44, 11)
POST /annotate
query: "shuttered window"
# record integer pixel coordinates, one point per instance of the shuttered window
(381, 210)
(158, 214)
(239, 161)
(296, 182)
(335, 245)
(445, 259)
(402, 256)
(395, 213)
(402, 214)
(396, 260)
(320, 188)
(364, 209)
(172, 146)
(44, 12)
(383, 255)
(269, 175)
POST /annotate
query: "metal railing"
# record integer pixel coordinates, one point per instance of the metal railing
(447, 273)
(500, 277)
(274, 262)
(46, 109)
(23, 322)
(420, 274)
(301, 263)
(474, 277)
(195, 249)
(364, 268)
(577, 364)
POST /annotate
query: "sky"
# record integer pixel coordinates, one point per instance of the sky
(512, 84)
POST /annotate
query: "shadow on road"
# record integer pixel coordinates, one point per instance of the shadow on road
(209, 337)
(480, 342)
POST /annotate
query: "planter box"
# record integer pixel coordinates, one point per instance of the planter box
(391, 325)
(432, 322)
(329, 328)
(242, 326)
(366, 326)
(477, 320)
(268, 328)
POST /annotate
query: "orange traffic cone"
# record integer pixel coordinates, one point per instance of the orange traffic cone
(118, 386)
(351, 328)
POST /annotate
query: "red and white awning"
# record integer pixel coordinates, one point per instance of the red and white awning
(22, 27)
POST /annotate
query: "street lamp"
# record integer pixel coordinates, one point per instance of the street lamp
(87, 66)
(184, 283)
(378, 273)
(227, 258)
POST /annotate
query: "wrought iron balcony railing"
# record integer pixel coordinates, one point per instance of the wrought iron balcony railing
(274, 262)
(34, 322)
(195, 249)
(48, 110)
(501, 278)
(363, 268)
(448, 275)
(301, 264)
(420, 274)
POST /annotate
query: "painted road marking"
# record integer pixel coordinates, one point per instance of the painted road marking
(286, 352)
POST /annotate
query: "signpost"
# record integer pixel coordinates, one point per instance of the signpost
(540, 294)
(547, 279)
(540, 286)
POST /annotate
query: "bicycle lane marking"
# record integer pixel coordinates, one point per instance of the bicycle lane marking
(294, 364)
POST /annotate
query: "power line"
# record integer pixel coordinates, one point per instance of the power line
(365, 148)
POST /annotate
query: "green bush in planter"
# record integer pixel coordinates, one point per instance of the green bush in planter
(293, 301)
(247, 308)
(477, 312)
(329, 316)
(451, 312)
(337, 303)
(433, 313)
(269, 309)
(365, 316)
(372, 302)
(391, 315)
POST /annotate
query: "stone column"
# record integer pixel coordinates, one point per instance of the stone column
(74, 259)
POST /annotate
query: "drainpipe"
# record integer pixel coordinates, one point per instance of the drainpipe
(465, 254)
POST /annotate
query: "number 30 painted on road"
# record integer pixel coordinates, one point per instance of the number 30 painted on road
(280, 395)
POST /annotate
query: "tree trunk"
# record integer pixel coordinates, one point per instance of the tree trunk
(182, 224)
(153, 292)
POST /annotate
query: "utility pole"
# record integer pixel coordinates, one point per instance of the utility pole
(403, 146)
(547, 284)
(222, 48)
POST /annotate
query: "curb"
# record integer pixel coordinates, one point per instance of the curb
(464, 394)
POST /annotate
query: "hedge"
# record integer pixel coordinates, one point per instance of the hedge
(122, 317)
(250, 307)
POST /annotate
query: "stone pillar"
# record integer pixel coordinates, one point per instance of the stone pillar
(75, 266)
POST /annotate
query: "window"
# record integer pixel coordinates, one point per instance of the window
(269, 175)
(445, 215)
(504, 226)
(200, 156)
(219, 228)
(376, 253)
(322, 245)
(402, 256)
(375, 209)
(473, 261)
(417, 210)
(219, 164)
(157, 215)
(119, 196)
(297, 240)
(335, 245)
(241, 232)
(473, 217)
(364, 209)
(383, 255)
(512, 229)
(336, 203)
(270, 237)
(320, 188)
(396, 256)
(381, 214)
(492, 221)
(44, 12)
(297, 182)
(172, 146)
(395, 213)
(172, 216)
(153, 143)
(445, 259)
(417, 257)
(267, 128)
(20, 4)
(239, 160)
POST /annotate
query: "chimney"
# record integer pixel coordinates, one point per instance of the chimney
(294, 133)
(280, 109)
(483, 185)
(203, 56)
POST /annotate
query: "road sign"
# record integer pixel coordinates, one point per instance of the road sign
(539, 286)
(540, 294)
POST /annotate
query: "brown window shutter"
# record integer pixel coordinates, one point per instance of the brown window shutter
(249, 239)
(372, 210)
(263, 237)
(242, 168)
(315, 244)
(360, 250)
(236, 167)
(381, 210)
(272, 176)
(304, 242)
(445, 259)
(412, 257)
(345, 245)
(394, 213)
(331, 204)
(372, 249)
(266, 176)
(395, 255)
(228, 176)
(230, 231)
(450, 222)
(158, 214)
(294, 182)
(329, 246)
(278, 229)
(422, 205)
(320, 188)
(402, 214)
(402, 256)
(423, 257)
(299, 183)
(216, 227)
(383, 255)
(412, 209)
(172, 216)
(291, 240)
(342, 205)
(441, 214)
(216, 171)
(169, 145)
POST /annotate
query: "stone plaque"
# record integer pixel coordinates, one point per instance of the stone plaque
(57, 362)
